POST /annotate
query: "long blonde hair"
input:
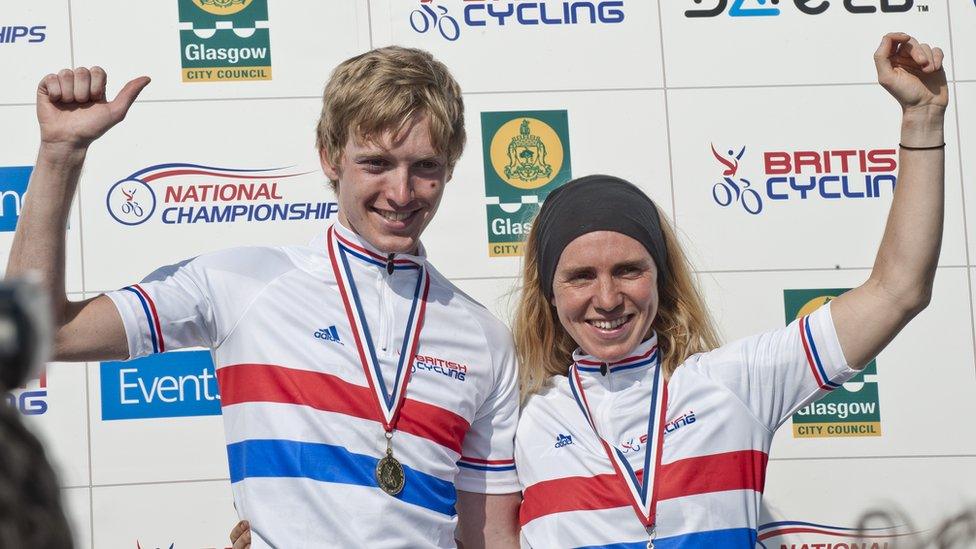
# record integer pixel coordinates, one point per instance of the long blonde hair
(545, 349)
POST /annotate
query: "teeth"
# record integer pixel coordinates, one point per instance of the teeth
(608, 324)
(393, 216)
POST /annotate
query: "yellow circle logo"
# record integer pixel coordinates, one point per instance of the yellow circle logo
(526, 153)
(222, 7)
(813, 305)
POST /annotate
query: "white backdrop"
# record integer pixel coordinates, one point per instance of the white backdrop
(647, 91)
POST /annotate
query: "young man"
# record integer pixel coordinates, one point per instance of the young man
(331, 441)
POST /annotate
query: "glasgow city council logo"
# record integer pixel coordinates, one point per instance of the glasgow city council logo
(852, 410)
(224, 40)
(526, 156)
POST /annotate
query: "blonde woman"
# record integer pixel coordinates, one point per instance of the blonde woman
(638, 430)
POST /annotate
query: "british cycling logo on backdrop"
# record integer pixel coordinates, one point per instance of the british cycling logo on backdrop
(731, 190)
(435, 18)
(191, 193)
(770, 8)
(831, 174)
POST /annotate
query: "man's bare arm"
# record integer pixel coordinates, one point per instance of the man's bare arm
(72, 112)
(488, 520)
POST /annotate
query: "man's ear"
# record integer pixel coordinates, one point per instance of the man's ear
(331, 171)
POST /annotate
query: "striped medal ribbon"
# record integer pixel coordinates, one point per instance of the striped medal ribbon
(643, 495)
(389, 471)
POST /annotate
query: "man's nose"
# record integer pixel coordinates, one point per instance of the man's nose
(400, 190)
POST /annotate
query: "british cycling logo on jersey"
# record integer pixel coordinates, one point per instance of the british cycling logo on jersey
(762, 8)
(636, 444)
(800, 175)
(427, 364)
(182, 193)
(435, 18)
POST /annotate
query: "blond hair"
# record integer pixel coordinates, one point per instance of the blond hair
(545, 349)
(382, 90)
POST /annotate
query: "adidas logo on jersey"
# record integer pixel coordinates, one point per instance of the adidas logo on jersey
(563, 440)
(328, 334)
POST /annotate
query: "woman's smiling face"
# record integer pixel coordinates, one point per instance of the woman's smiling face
(605, 293)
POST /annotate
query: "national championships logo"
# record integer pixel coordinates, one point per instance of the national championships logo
(182, 193)
(794, 534)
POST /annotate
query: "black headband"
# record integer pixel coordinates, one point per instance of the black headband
(596, 203)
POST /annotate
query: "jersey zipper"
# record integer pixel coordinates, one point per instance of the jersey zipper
(386, 306)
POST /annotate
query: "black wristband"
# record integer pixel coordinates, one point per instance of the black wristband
(907, 148)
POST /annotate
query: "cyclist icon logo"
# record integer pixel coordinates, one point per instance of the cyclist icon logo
(427, 18)
(130, 206)
(730, 190)
(131, 201)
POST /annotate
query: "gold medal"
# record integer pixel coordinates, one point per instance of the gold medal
(389, 472)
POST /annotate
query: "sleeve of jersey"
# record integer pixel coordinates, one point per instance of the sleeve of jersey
(166, 311)
(487, 463)
(776, 373)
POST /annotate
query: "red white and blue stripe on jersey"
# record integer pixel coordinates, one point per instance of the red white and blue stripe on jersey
(486, 464)
(626, 364)
(813, 356)
(251, 383)
(737, 470)
(152, 317)
(369, 256)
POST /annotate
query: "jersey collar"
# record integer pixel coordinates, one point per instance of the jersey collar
(362, 250)
(638, 361)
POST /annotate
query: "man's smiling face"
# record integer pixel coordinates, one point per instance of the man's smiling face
(390, 186)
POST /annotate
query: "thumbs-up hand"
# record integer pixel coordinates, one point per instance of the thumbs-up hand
(72, 108)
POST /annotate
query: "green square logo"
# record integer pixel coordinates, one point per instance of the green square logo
(526, 156)
(224, 40)
(851, 410)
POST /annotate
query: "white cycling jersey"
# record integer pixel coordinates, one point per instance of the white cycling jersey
(723, 407)
(304, 428)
